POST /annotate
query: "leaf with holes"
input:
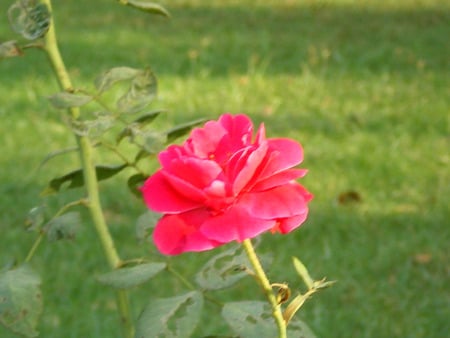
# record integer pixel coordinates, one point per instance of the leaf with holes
(138, 124)
(20, 300)
(170, 317)
(63, 227)
(93, 128)
(223, 270)
(29, 19)
(142, 91)
(250, 319)
(129, 277)
(114, 75)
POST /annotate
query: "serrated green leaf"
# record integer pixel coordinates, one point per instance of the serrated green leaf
(30, 19)
(250, 319)
(147, 6)
(170, 317)
(93, 128)
(55, 154)
(182, 129)
(104, 172)
(142, 154)
(145, 222)
(138, 124)
(153, 141)
(10, 49)
(134, 182)
(147, 118)
(63, 227)
(20, 300)
(114, 75)
(75, 178)
(129, 277)
(223, 270)
(303, 272)
(142, 91)
(64, 100)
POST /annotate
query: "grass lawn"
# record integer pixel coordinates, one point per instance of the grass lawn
(363, 85)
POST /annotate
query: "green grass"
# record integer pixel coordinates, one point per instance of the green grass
(363, 85)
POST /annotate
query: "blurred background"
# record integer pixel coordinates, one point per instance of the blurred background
(363, 85)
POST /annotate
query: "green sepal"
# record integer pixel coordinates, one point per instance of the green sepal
(303, 272)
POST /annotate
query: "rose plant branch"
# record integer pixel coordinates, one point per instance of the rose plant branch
(91, 183)
(262, 279)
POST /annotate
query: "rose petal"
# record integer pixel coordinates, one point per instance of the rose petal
(280, 202)
(183, 188)
(282, 154)
(261, 134)
(279, 179)
(198, 172)
(171, 153)
(175, 234)
(245, 168)
(239, 128)
(204, 141)
(235, 224)
(239, 134)
(286, 225)
(160, 196)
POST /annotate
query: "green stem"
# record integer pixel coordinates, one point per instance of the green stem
(262, 279)
(35, 246)
(90, 177)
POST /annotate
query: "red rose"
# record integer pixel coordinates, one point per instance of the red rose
(225, 185)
